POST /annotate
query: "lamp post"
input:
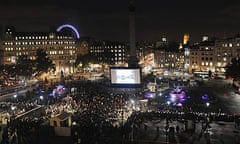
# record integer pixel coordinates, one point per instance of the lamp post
(207, 104)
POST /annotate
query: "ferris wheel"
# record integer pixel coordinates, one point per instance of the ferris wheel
(76, 33)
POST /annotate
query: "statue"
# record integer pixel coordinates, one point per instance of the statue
(62, 79)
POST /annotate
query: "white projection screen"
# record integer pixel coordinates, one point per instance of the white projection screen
(125, 76)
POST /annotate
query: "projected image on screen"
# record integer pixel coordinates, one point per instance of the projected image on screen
(125, 76)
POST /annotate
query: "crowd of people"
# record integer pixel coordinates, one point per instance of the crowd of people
(92, 105)
(100, 113)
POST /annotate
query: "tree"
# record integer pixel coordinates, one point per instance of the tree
(84, 60)
(10, 69)
(24, 66)
(43, 64)
(233, 69)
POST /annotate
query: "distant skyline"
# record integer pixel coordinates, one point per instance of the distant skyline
(108, 19)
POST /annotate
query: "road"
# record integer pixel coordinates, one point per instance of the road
(224, 91)
(19, 91)
(9, 92)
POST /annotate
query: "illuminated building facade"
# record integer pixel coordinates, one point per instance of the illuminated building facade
(84, 44)
(168, 56)
(202, 57)
(169, 60)
(145, 53)
(108, 52)
(61, 48)
(214, 55)
(185, 47)
(186, 39)
(225, 50)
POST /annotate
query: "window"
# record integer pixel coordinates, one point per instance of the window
(211, 64)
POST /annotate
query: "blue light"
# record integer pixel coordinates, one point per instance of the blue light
(71, 27)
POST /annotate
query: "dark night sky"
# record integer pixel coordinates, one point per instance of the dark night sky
(108, 19)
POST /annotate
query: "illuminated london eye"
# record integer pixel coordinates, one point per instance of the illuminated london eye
(71, 27)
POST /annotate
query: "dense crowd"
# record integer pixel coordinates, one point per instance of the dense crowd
(101, 114)
(92, 98)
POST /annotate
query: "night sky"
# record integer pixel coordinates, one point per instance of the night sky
(108, 19)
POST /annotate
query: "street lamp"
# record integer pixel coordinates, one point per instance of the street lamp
(13, 108)
(132, 101)
(168, 103)
(160, 94)
(15, 96)
(41, 97)
(207, 104)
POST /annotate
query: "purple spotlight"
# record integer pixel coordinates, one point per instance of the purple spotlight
(179, 104)
(148, 95)
(71, 27)
(205, 97)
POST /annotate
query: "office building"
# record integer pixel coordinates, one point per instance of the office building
(60, 47)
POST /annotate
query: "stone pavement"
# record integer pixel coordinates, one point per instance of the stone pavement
(218, 133)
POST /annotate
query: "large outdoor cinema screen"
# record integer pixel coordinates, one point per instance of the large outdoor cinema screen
(125, 76)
